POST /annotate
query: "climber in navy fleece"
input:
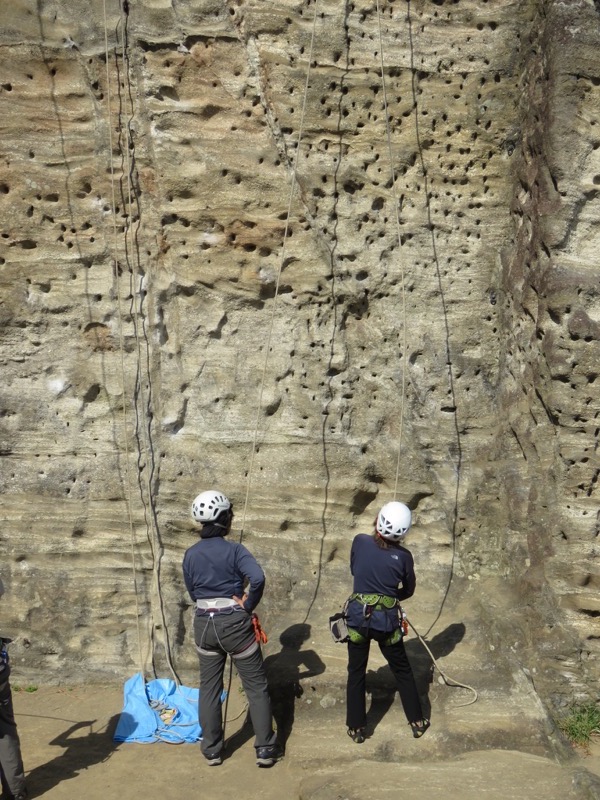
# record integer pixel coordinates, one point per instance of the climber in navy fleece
(216, 567)
(226, 583)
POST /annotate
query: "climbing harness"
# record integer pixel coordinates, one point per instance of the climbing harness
(215, 604)
(374, 602)
(341, 633)
(246, 651)
(378, 602)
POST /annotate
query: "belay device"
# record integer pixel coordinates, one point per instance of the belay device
(338, 625)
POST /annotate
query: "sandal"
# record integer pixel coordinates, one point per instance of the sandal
(419, 728)
(357, 735)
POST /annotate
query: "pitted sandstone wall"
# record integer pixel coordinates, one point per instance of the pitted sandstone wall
(441, 305)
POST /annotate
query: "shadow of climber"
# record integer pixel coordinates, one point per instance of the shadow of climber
(381, 684)
(285, 670)
(80, 752)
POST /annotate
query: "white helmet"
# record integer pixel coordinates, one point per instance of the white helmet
(393, 521)
(208, 505)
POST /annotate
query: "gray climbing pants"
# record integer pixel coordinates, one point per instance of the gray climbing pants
(11, 763)
(216, 636)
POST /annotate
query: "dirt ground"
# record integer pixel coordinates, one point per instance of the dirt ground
(68, 750)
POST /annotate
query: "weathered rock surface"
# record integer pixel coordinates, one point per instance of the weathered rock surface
(233, 255)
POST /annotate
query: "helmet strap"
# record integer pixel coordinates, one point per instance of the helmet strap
(227, 524)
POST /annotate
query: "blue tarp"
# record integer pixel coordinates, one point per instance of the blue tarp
(158, 711)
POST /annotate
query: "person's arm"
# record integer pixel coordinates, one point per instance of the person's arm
(252, 571)
(409, 580)
(187, 578)
(352, 556)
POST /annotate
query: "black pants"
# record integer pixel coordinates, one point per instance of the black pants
(216, 637)
(11, 764)
(395, 655)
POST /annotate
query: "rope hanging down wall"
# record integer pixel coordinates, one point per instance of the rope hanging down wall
(142, 391)
(279, 271)
(399, 237)
(438, 270)
(282, 261)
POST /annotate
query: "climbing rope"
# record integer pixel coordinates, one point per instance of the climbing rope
(142, 660)
(227, 719)
(153, 534)
(399, 236)
(145, 402)
(279, 271)
(436, 261)
(447, 679)
(271, 326)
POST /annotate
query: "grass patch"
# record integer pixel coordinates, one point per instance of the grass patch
(581, 723)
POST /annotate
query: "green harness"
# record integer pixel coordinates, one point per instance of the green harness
(378, 602)
(374, 602)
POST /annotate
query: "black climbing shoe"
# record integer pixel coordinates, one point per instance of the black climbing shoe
(419, 728)
(357, 735)
(23, 795)
(267, 756)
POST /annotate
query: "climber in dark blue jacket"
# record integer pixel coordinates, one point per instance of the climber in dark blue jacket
(215, 567)
(226, 583)
(383, 572)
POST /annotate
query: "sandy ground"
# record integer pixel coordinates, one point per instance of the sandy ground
(69, 752)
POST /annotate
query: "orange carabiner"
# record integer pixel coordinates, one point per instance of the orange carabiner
(261, 636)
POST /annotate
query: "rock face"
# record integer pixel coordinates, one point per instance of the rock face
(319, 255)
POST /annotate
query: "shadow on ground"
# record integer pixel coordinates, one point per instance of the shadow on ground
(285, 670)
(381, 684)
(80, 752)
